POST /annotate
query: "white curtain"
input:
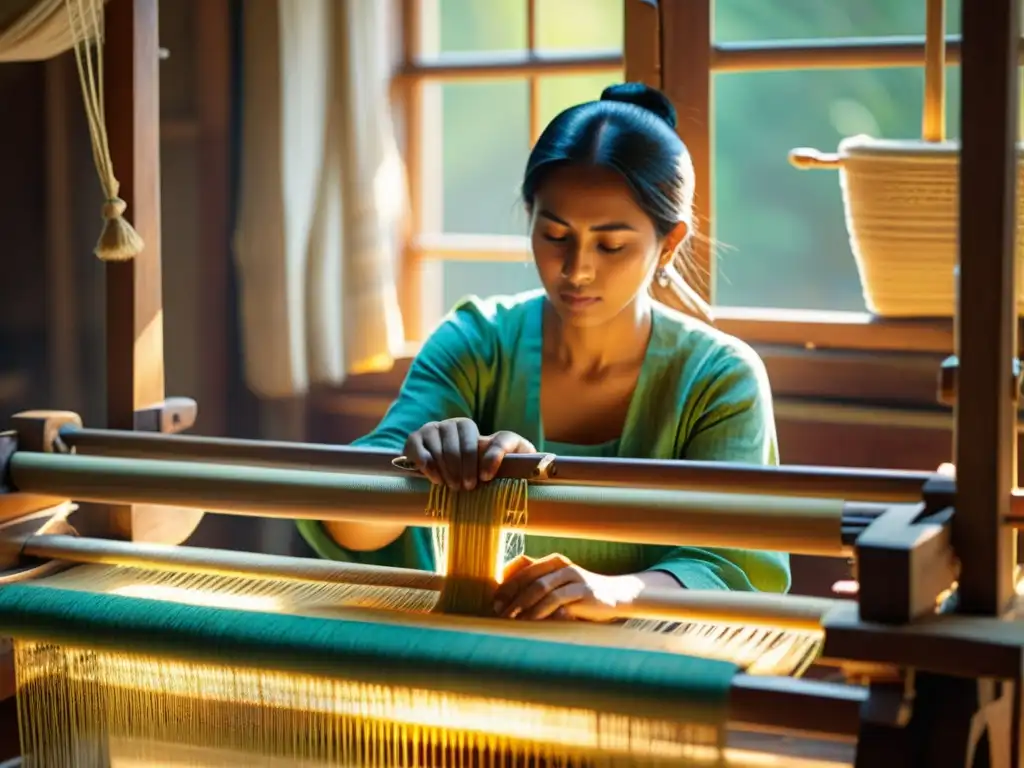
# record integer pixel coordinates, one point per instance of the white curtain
(321, 194)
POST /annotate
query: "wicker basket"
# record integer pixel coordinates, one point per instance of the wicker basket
(902, 213)
(902, 201)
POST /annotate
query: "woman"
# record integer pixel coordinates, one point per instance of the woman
(590, 366)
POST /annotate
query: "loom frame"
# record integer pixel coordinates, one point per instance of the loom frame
(804, 706)
(948, 658)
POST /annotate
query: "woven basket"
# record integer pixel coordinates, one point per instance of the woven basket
(902, 214)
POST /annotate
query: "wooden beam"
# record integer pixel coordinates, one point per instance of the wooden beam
(965, 646)
(65, 390)
(533, 82)
(642, 55)
(213, 89)
(987, 329)
(134, 297)
(514, 65)
(686, 55)
(134, 300)
(411, 285)
(749, 56)
(835, 53)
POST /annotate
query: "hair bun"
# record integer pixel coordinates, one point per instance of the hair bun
(642, 96)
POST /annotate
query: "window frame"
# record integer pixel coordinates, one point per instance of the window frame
(685, 73)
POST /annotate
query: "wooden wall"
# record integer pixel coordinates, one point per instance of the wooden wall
(22, 248)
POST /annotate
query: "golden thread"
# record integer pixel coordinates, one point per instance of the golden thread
(89, 707)
(477, 541)
(756, 650)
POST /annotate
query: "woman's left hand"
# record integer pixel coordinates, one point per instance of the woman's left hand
(554, 587)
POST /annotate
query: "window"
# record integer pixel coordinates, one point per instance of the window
(484, 123)
(492, 74)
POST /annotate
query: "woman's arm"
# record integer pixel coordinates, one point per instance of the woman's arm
(734, 421)
(730, 420)
(448, 379)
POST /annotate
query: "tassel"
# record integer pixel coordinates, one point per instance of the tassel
(118, 241)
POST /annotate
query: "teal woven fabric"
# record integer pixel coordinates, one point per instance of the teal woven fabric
(614, 680)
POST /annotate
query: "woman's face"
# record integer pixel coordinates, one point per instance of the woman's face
(596, 250)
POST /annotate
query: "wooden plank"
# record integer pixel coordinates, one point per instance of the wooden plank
(963, 646)
(987, 329)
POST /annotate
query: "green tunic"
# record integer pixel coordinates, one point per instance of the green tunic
(701, 395)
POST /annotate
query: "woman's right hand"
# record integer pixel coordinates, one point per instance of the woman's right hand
(454, 453)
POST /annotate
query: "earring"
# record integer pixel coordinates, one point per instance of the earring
(662, 277)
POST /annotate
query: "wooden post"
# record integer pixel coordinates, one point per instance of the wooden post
(987, 330)
(686, 47)
(134, 301)
(62, 294)
(411, 285)
(213, 88)
(642, 55)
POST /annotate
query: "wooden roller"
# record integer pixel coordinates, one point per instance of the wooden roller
(750, 609)
(880, 485)
(796, 525)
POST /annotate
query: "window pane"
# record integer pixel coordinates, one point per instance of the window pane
(471, 25)
(579, 25)
(558, 93)
(749, 20)
(464, 278)
(485, 139)
(780, 233)
(486, 143)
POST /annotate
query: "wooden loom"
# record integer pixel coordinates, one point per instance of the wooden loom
(932, 681)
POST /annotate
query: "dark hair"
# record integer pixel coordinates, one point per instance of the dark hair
(631, 131)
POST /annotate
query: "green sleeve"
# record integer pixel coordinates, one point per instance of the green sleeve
(734, 422)
(450, 377)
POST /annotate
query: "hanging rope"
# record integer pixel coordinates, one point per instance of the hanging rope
(118, 240)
